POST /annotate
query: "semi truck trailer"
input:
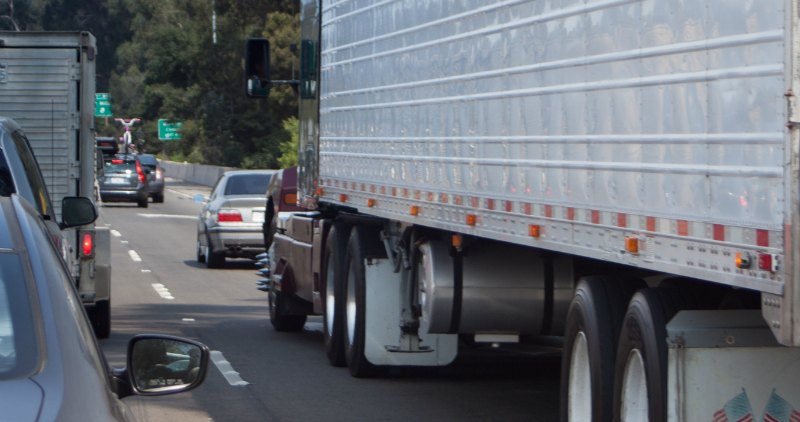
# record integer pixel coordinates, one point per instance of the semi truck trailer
(47, 85)
(622, 174)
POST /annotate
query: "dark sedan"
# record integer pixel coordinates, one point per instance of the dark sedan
(51, 368)
(155, 176)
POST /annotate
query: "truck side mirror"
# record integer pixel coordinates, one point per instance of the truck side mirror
(256, 67)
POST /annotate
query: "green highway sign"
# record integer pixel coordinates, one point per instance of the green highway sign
(169, 130)
(102, 105)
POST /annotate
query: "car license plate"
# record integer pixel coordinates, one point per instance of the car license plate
(117, 181)
(258, 216)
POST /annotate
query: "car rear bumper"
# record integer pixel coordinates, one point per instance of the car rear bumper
(123, 195)
(237, 242)
(155, 187)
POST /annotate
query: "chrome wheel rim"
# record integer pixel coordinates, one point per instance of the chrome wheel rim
(330, 299)
(579, 406)
(634, 389)
(351, 305)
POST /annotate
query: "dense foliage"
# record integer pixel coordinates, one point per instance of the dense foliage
(183, 60)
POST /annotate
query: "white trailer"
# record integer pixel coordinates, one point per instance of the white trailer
(622, 173)
(47, 85)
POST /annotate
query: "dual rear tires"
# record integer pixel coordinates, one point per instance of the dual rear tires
(615, 349)
(344, 292)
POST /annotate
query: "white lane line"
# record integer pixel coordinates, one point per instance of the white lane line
(185, 217)
(185, 195)
(116, 233)
(226, 369)
(162, 291)
(134, 256)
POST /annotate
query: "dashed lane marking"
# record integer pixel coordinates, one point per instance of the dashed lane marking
(185, 217)
(116, 233)
(226, 369)
(134, 256)
(162, 291)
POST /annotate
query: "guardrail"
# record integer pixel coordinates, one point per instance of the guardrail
(201, 174)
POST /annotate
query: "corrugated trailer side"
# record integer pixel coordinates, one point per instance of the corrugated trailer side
(646, 133)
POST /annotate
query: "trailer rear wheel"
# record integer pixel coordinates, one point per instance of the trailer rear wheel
(592, 327)
(332, 285)
(640, 376)
(362, 243)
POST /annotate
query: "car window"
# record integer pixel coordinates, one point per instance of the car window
(118, 166)
(6, 180)
(30, 183)
(148, 160)
(18, 347)
(247, 184)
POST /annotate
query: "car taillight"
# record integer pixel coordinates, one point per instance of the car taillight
(140, 172)
(229, 216)
(116, 161)
(158, 174)
(87, 244)
(290, 199)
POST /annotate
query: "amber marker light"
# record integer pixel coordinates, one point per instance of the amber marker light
(456, 240)
(342, 197)
(371, 202)
(414, 210)
(632, 245)
(742, 260)
(472, 219)
(534, 230)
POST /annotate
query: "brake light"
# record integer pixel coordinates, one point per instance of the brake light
(140, 172)
(116, 161)
(158, 174)
(290, 198)
(229, 216)
(87, 244)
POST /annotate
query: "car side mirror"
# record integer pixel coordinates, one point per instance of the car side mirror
(77, 211)
(160, 364)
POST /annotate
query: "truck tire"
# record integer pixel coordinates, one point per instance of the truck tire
(363, 242)
(100, 317)
(332, 285)
(280, 320)
(592, 327)
(640, 377)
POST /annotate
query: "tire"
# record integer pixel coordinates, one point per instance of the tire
(201, 256)
(158, 198)
(332, 291)
(280, 320)
(213, 259)
(640, 376)
(592, 327)
(362, 243)
(142, 203)
(100, 317)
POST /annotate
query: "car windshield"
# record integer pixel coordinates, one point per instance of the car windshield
(117, 166)
(247, 184)
(18, 348)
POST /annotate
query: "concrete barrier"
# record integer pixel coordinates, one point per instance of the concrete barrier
(201, 174)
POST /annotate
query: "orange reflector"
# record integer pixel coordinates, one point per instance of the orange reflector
(456, 240)
(472, 219)
(632, 245)
(290, 198)
(534, 230)
(342, 197)
(742, 260)
(87, 244)
(414, 210)
(370, 202)
(320, 191)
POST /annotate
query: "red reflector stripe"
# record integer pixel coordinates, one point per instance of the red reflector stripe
(762, 238)
(719, 232)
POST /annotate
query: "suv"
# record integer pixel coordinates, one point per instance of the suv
(124, 179)
(155, 176)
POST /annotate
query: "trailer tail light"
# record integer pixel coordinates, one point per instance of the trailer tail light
(140, 172)
(767, 262)
(229, 216)
(87, 244)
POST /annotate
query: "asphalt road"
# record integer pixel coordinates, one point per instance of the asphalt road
(158, 286)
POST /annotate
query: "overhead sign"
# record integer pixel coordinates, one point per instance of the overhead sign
(169, 130)
(102, 105)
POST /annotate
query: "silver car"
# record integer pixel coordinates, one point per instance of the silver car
(229, 226)
(51, 368)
